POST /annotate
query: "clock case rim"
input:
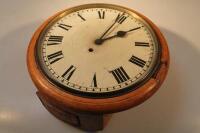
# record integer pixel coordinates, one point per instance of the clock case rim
(113, 102)
(86, 94)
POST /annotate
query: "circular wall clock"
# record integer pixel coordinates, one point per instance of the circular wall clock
(93, 60)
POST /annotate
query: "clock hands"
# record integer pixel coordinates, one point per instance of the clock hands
(107, 31)
(99, 41)
(119, 34)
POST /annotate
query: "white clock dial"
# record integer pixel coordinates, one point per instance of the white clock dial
(97, 50)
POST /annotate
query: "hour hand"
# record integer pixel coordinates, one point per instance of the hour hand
(119, 34)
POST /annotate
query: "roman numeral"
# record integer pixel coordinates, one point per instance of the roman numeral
(121, 18)
(81, 17)
(101, 14)
(137, 61)
(142, 44)
(54, 40)
(120, 75)
(94, 81)
(55, 57)
(69, 72)
(65, 27)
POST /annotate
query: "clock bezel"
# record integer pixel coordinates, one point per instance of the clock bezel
(113, 93)
(105, 104)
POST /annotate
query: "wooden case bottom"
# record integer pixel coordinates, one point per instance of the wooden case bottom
(87, 122)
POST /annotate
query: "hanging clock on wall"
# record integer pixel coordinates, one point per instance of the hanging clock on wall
(93, 60)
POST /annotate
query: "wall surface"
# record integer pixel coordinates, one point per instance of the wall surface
(174, 108)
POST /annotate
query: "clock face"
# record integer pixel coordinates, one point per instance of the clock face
(99, 50)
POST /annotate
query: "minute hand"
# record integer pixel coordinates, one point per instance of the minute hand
(120, 34)
(110, 27)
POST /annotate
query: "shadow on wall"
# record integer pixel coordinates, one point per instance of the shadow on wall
(13, 48)
(167, 111)
(17, 96)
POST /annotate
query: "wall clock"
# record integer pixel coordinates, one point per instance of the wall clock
(93, 60)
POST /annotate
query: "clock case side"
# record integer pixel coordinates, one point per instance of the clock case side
(64, 100)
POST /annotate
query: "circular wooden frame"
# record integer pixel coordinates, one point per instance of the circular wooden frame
(63, 100)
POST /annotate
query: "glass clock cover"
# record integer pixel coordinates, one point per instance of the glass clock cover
(99, 51)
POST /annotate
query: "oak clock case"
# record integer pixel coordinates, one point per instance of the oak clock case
(96, 59)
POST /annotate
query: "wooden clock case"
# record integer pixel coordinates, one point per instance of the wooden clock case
(88, 113)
